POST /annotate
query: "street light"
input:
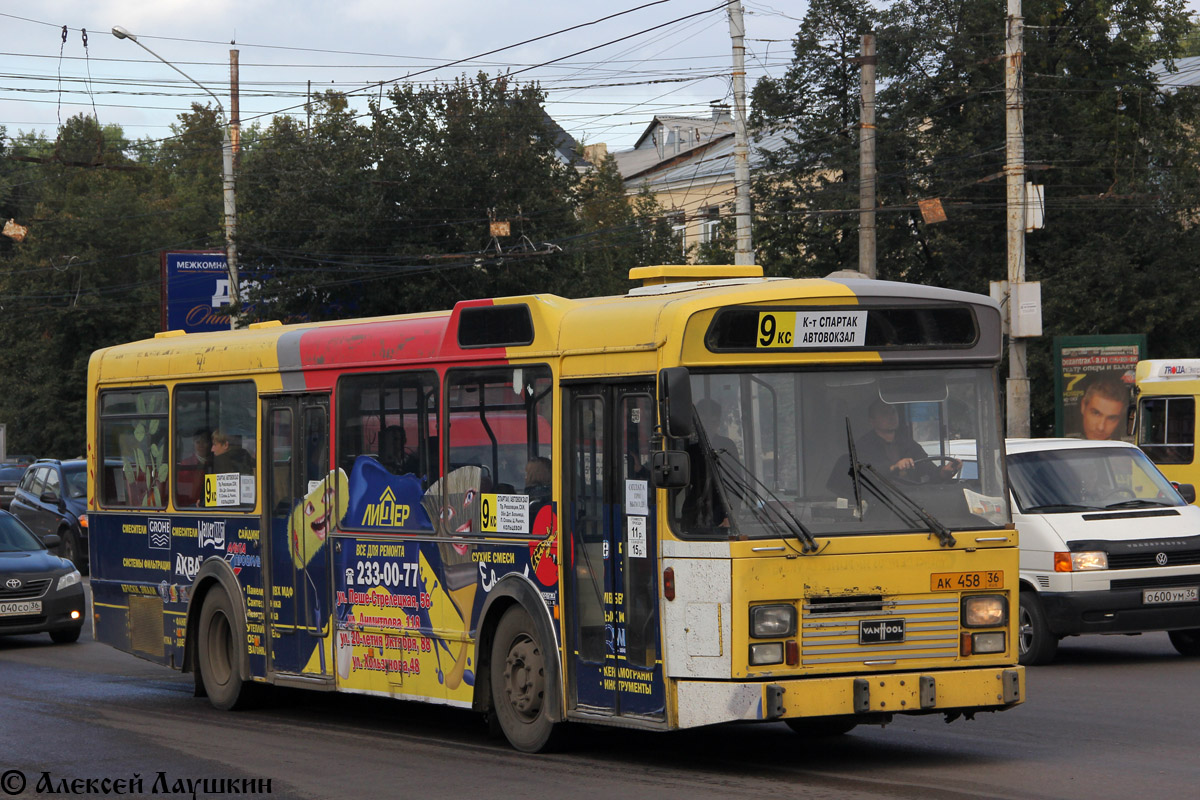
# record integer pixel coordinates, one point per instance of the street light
(227, 169)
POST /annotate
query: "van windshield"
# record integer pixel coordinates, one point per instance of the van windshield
(776, 445)
(1086, 479)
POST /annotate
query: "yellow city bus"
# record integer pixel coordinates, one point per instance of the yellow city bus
(1166, 392)
(660, 510)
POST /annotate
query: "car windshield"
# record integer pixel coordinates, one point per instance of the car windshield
(15, 537)
(1084, 479)
(75, 478)
(773, 453)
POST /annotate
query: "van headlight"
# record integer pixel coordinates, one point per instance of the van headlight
(70, 579)
(984, 611)
(1082, 561)
(772, 622)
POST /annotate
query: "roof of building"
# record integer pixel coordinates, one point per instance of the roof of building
(714, 161)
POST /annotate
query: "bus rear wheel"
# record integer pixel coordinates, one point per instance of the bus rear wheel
(219, 653)
(520, 694)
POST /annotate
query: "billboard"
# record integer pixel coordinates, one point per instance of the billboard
(1093, 385)
(195, 291)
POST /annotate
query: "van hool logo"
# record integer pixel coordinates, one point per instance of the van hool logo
(160, 533)
(212, 533)
(877, 631)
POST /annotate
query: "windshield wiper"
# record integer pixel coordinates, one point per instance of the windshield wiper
(1138, 502)
(1054, 508)
(869, 476)
(764, 504)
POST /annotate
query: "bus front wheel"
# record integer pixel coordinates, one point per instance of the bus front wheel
(219, 652)
(520, 694)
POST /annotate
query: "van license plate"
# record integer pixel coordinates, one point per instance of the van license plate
(21, 608)
(1183, 594)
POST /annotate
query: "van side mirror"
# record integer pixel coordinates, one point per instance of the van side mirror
(675, 402)
(1187, 491)
(670, 469)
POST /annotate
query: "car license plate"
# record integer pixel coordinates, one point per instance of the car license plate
(21, 608)
(957, 581)
(1181, 594)
(880, 631)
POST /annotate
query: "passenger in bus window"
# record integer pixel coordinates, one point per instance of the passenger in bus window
(393, 453)
(228, 456)
(192, 468)
(537, 480)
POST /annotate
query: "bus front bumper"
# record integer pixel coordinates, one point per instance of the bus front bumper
(869, 696)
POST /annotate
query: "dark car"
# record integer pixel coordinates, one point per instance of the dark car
(52, 499)
(39, 591)
(10, 476)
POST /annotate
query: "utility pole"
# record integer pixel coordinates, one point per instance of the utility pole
(744, 251)
(232, 136)
(1017, 388)
(866, 160)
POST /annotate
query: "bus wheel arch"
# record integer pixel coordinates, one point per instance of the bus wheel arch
(507, 600)
(215, 575)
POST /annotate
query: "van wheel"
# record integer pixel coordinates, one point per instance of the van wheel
(520, 694)
(1035, 642)
(1186, 642)
(218, 653)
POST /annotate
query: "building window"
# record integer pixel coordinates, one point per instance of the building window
(678, 225)
(710, 224)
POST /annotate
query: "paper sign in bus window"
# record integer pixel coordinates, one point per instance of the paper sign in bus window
(504, 513)
(637, 497)
(635, 528)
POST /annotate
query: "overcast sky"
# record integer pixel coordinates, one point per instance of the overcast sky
(676, 58)
(606, 95)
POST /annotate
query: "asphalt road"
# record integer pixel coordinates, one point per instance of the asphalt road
(1114, 717)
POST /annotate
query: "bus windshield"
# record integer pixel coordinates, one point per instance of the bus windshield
(780, 441)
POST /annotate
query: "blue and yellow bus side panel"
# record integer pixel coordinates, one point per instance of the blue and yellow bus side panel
(143, 568)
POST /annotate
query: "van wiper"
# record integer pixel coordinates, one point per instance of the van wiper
(1138, 502)
(763, 503)
(888, 493)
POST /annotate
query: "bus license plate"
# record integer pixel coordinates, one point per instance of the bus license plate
(21, 608)
(957, 581)
(1181, 594)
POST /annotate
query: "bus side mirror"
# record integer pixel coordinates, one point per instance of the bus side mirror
(1187, 491)
(670, 469)
(675, 398)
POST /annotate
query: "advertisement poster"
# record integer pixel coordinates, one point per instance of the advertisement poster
(1093, 385)
(195, 291)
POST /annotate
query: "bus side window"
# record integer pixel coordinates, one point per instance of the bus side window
(498, 419)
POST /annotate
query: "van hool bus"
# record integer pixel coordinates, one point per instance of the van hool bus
(718, 497)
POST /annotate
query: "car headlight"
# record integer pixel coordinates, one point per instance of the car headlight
(1080, 562)
(772, 622)
(984, 611)
(70, 579)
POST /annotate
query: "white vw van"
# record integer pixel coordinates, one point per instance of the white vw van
(1108, 545)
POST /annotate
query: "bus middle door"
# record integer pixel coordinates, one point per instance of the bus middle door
(614, 658)
(301, 506)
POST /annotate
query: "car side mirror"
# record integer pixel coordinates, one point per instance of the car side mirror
(670, 469)
(51, 540)
(1187, 491)
(49, 497)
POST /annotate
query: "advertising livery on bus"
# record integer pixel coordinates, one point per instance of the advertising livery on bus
(718, 497)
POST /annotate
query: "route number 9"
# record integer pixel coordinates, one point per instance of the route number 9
(774, 331)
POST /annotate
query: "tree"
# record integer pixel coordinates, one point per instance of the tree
(1117, 155)
(84, 277)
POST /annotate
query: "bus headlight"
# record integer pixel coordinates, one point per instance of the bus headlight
(991, 642)
(1081, 561)
(984, 611)
(772, 622)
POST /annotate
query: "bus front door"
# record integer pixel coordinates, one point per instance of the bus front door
(301, 500)
(614, 655)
